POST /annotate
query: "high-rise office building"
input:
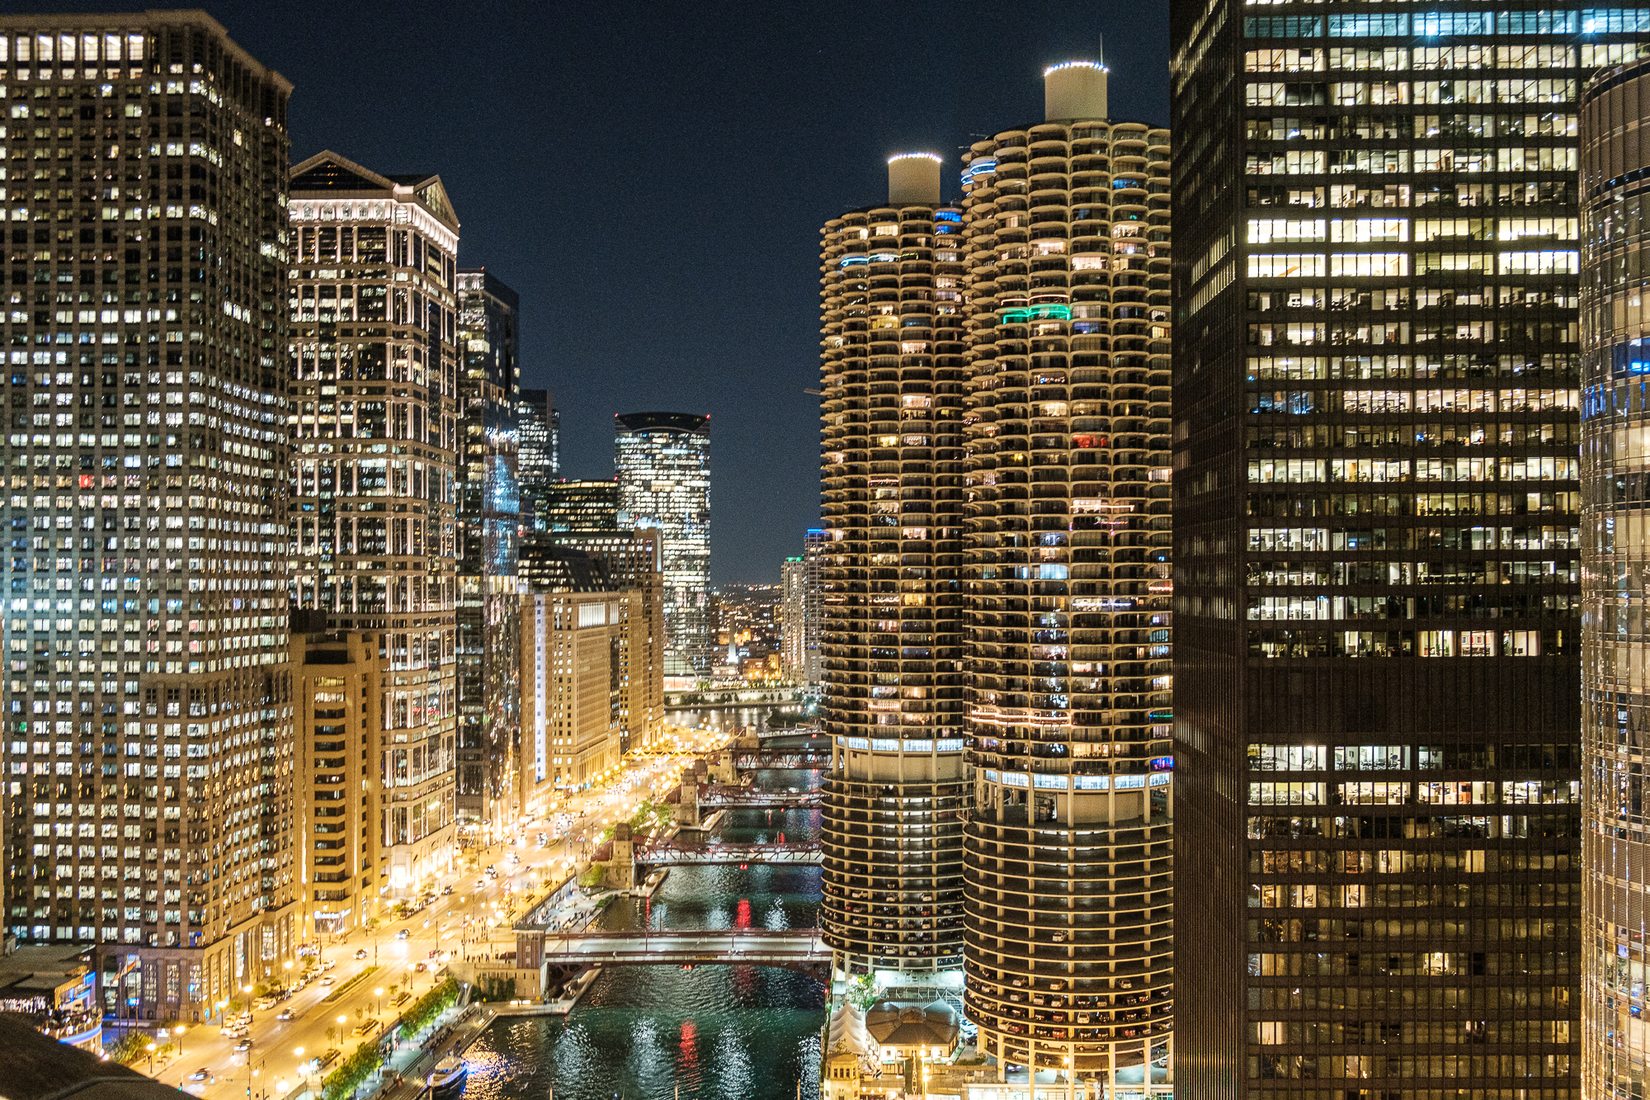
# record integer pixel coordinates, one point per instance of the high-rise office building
(1068, 842)
(489, 514)
(631, 561)
(1376, 634)
(592, 671)
(538, 461)
(578, 507)
(662, 464)
(891, 367)
(1615, 553)
(375, 437)
(148, 747)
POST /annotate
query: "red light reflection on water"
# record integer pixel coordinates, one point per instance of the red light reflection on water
(742, 914)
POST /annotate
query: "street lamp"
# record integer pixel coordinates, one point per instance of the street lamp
(378, 1000)
(178, 1031)
(149, 1048)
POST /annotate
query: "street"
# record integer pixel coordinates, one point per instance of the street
(470, 920)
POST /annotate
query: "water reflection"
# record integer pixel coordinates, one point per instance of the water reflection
(713, 1032)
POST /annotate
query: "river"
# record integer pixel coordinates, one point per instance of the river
(705, 1033)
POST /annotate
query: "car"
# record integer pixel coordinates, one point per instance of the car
(420, 967)
(203, 1075)
(285, 1014)
(243, 1046)
(360, 952)
(329, 964)
(447, 889)
(481, 884)
(435, 952)
(402, 933)
(328, 980)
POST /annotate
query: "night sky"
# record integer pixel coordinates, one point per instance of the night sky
(651, 178)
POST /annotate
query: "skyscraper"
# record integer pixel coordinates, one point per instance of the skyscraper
(1615, 550)
(662, 463)
(538, 431)
(631, 561)
(570, 675)
(1375, 545)
(801, 581)
(891, 368)
(375, 437)
(489, 514)
(1068, 842)
(148, 747)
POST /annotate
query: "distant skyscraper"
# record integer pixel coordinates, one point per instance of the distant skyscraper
(662, 464)
(1376, 494)
(1069, 891)
(375, 437)
(1615, 558)
(891, 311)
(803, 607)
(489, 514)
(579, 507)
(148, 740)
(538, 428)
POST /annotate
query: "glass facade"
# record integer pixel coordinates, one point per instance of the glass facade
(891, 310)
(662, 464)
(148, 743)
(538, 462)
(374, 358)
(1067, 857)
(1615, 557)
(1376, 549)
(489, 516)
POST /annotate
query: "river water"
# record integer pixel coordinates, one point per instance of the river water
(705, 1033)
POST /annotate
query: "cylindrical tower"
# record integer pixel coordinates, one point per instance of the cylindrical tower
(892, 467)
(1067, 849)
(1615, 565)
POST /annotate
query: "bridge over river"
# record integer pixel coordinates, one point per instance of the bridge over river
(805, 758)
(744, 945)
(711, 798)
(660, 855)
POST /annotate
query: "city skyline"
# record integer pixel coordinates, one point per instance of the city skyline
(1218, 668)
(640, 106)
